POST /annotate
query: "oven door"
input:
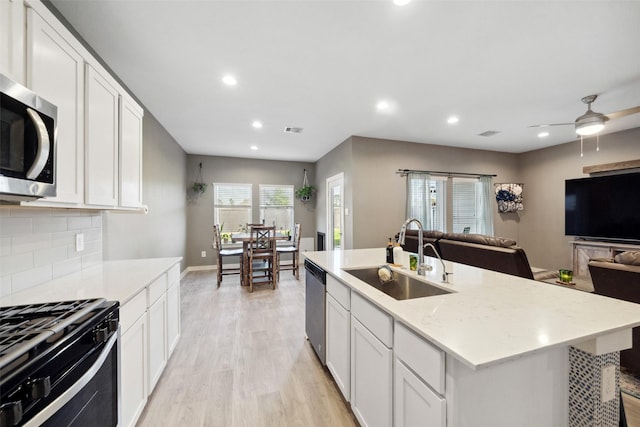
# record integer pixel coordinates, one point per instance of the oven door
(92, 400)
(27, 143)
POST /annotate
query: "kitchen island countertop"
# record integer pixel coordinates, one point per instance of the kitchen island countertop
(489, 317)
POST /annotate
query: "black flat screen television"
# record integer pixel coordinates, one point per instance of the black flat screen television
(604, 207)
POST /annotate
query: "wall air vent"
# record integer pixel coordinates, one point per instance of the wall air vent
(291, 129)
(489, 133)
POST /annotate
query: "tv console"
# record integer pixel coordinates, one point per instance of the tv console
(584, 250)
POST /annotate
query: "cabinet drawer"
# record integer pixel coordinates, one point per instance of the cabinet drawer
(131, 311)
(173, 275)
(424, 358)
(340, 291)
(157, 289)
(374, 319)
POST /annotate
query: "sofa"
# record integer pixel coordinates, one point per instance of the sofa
(620, 278)
(488, 252)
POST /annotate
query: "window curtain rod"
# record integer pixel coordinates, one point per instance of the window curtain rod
(405, 172)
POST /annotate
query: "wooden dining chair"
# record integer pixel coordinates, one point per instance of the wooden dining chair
(261, 257)
(225, 253)
(294, 250)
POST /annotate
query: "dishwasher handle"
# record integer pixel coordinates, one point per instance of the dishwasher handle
(316, 271)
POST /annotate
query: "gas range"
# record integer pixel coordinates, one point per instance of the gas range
(56, 356)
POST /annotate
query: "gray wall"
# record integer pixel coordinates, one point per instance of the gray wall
(340, 159)
(544, 172)
(161, 232)
(376, 195)
(247, 171)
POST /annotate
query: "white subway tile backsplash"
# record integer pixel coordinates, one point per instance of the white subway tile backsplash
(49, 224)
(30, 243)
(38, 244)
(13, 264)
(5, 287)
(49, 256)
(14, 226)
(5, 246)
(78, 223)
(29, 278)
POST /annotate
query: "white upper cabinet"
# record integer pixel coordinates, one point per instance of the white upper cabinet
(55, 72)
(12, 45)
(130, 153)
(101, 119)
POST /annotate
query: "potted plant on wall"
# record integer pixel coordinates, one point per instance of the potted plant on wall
(305, 192)
(199, 186)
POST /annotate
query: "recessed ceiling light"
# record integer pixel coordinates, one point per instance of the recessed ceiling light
(257, 124)
(543, 134)
(254, 147)
(382, 105)
(453, 119)
(401, 2)
(229, 80)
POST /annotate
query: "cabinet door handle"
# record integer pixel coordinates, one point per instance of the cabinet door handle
(43, 145)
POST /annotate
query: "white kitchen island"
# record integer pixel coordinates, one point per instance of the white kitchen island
(497, 351)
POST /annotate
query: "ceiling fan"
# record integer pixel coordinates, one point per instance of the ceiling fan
(591, 122)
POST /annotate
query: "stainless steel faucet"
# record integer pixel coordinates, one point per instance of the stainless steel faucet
(421, 267)
(445, 275)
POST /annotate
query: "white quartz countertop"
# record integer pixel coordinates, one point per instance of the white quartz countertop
(490, 317)
(113, 280)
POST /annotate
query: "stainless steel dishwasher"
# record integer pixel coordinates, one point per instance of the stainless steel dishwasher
(315, 300)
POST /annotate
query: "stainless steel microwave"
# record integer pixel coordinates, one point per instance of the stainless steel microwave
(27, 143)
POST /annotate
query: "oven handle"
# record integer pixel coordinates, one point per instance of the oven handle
(62, 400)
(42, 154)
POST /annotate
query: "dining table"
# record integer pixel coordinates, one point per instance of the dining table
(245, 238)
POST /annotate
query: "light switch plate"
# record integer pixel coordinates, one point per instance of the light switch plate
(79, 242)
(203, 254)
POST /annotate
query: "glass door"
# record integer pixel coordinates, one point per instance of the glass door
(335, 212)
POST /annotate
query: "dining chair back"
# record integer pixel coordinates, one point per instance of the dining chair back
(261, 257)
(225, 253)
(294, 250)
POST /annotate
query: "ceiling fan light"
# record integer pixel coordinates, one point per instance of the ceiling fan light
(586, 129)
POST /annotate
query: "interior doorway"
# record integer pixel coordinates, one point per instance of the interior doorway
(335, 212)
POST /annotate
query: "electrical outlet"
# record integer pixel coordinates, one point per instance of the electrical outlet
(203, 254)
(79, 242)
(608, 384)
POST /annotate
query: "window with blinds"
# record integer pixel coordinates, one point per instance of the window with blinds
(461, 211)
(232, 206)
(276, 206)
(467, 215)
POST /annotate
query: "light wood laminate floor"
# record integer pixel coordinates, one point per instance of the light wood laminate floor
(242, 360)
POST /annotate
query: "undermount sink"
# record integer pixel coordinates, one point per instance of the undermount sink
(401, 287)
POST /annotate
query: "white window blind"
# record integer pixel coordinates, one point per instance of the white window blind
(467, 209)
(276, 206)
(232, 205)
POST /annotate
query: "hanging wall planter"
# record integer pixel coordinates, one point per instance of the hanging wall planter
(305, 192)
(199, 187)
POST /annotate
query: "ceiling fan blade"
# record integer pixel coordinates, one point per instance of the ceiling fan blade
(622, 113)
(550, 124)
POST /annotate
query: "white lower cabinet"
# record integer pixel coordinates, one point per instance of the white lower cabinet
(338, 344)
(173, 317)
(150, 327)
(157, 340)
(415, 403)
(371, 377)
(133, 350)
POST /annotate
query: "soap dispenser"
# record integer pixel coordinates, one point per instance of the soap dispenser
(397, 253)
